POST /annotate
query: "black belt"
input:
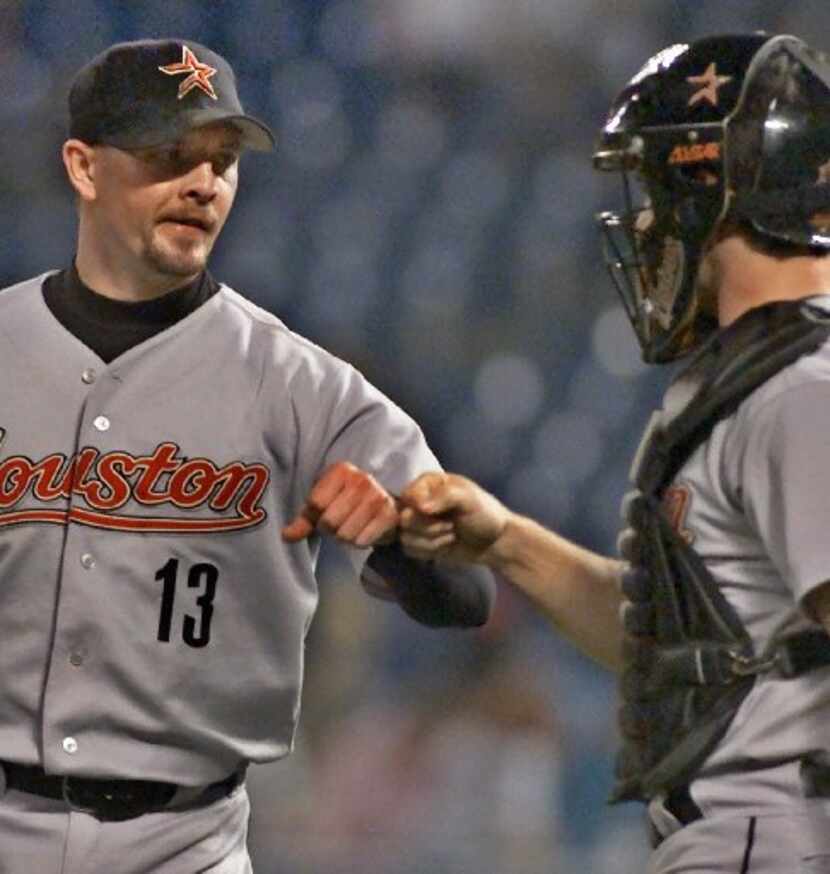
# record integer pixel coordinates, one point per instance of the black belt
(115, 800)
(680, 805)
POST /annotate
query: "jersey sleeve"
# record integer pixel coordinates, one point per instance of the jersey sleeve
(785, 482)
(320, 410)
(333, 413)
(370, 430)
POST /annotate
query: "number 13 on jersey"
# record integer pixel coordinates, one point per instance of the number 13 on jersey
(202, 577)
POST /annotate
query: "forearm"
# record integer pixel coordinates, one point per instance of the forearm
(576, 589)
(436, 594)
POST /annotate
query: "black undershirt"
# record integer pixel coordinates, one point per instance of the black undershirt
(112, 327)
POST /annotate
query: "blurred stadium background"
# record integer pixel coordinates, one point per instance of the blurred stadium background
(429, 217)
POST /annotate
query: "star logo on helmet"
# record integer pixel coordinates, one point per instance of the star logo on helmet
(708, 84)
(199, 74)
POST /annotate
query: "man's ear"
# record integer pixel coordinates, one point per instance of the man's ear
(79, 160)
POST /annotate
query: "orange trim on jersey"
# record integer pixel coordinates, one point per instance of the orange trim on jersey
(59, 517)
(162, 525)
(129, 523)
(677, 501)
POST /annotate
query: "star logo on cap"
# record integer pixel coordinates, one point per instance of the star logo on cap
(709, 83)
(199, 74)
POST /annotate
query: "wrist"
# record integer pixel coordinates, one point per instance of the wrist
(505, 549)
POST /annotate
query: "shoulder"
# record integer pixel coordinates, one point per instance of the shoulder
(285, 352)
(22, 293)
(271, 328)
(797, 396)
(809, 375)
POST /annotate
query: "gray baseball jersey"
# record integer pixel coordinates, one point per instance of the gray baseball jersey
(152, 617)
(754, 501)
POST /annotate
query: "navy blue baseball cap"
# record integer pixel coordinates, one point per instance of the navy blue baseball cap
(150, 92)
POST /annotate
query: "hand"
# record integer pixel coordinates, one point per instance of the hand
(448, 516)
(349, 504)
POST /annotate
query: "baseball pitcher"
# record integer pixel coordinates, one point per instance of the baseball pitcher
(170, 455)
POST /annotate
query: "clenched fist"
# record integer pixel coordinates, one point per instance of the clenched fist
(349, 504)
(447, 516)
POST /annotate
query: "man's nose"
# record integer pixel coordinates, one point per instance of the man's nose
(201, 182)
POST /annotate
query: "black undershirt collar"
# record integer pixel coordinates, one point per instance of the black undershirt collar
(111, 327)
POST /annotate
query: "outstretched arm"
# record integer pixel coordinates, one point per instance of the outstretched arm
(449, 518)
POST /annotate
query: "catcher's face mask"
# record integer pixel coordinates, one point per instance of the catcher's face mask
(645, 261)
(652, 246)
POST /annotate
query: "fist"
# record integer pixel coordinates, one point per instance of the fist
(349, 504)
(448, 516)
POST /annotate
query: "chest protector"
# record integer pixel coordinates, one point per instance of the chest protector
(689, 661)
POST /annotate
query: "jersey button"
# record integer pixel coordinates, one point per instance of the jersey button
(88, 376)
(88, 560)
(70, 745)
(102, 423)
(76, 658)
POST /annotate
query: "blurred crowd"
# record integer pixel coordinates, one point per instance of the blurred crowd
(429, 217)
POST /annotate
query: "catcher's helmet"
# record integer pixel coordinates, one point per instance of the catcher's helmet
(729, 127)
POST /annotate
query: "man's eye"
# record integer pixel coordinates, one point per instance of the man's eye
(173, 158)
(164, 159)
(223, 163)
(175, 161)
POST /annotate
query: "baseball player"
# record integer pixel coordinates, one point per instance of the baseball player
(717, 617)
(170, 455)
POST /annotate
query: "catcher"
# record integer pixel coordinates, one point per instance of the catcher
(716, 618)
